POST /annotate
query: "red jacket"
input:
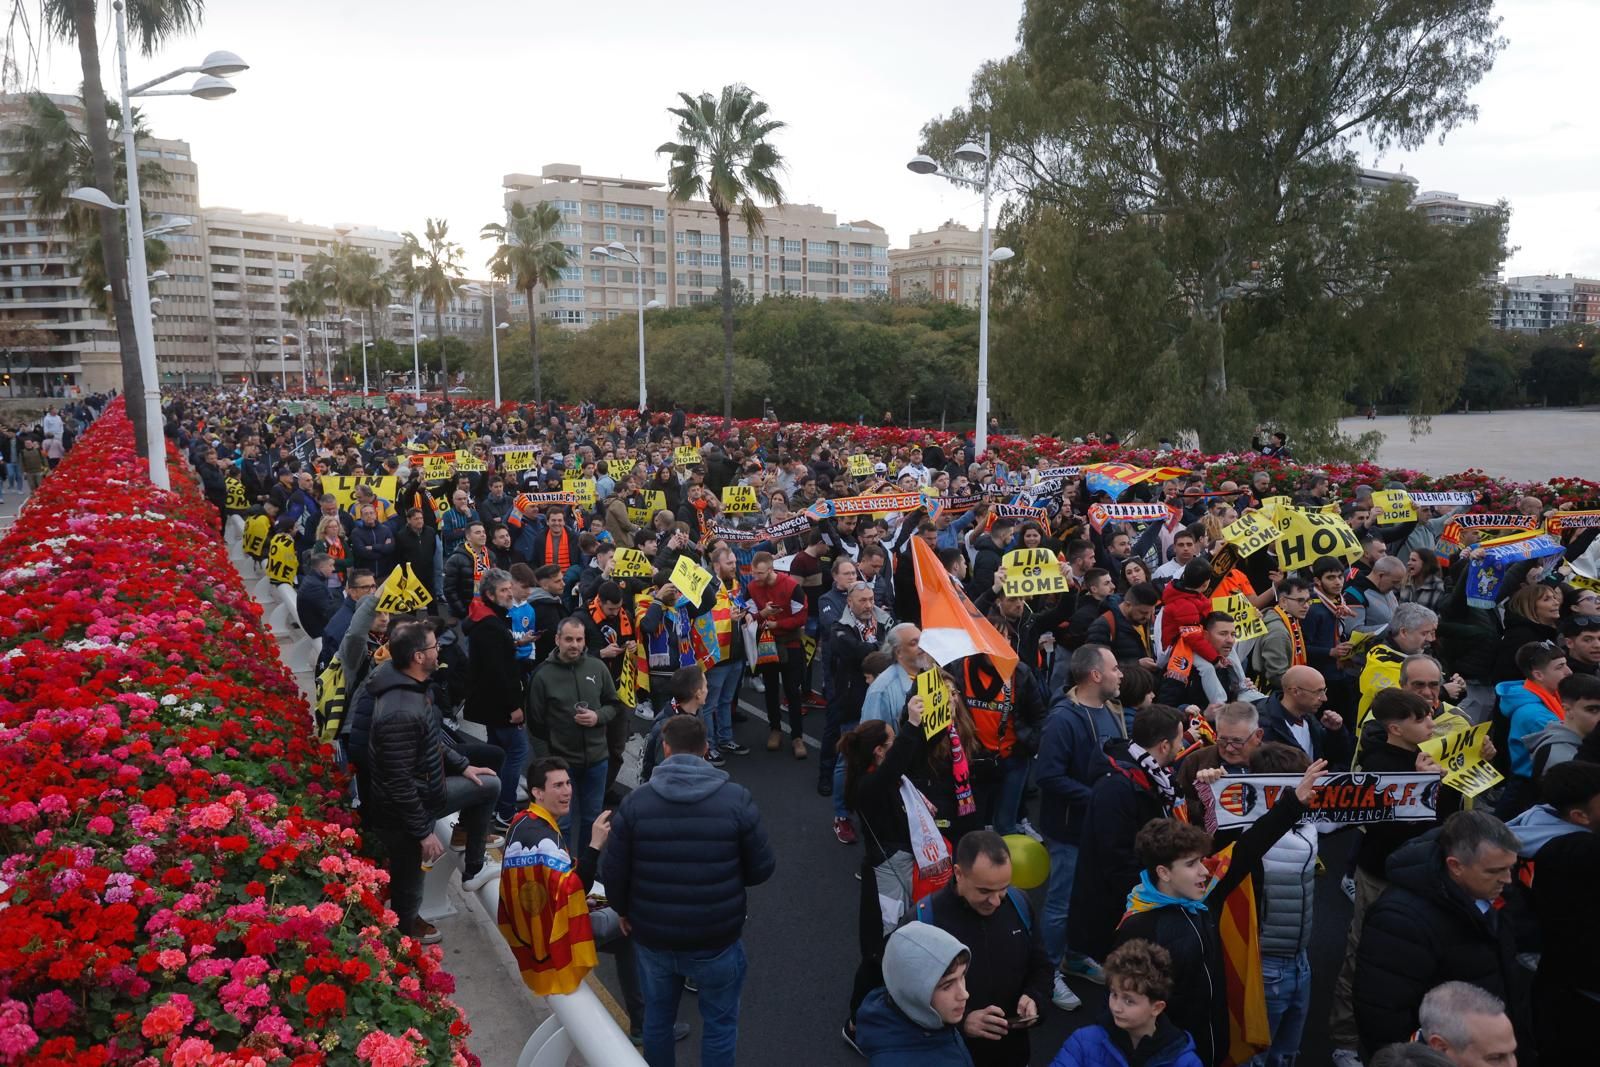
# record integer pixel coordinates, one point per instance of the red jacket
(784, 593)
(1181, 608)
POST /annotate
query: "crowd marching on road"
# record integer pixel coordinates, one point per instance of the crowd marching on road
(1090, 738)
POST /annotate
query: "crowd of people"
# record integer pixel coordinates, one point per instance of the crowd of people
(31, 449)
(591, 580)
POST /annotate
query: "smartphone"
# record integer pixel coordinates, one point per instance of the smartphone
(1021, 1022)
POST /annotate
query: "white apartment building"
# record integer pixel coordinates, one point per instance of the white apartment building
(940, 265)
(1535, 304)
(801, 250)
(1448, 209)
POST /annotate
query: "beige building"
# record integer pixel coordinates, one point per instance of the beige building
(40, 287)
(802, 249)
(940, 265)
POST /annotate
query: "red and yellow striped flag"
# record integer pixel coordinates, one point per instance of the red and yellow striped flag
(544, 916)
(1248, 1030)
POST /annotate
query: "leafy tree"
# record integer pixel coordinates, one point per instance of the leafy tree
(529, 253)
(722, 155)
(20, 338)
(431, 268)
(1195, 251)
(306, 298)
(1558, 371)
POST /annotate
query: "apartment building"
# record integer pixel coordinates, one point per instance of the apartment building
(40, 287)
(1538, 303)
(1448, 209)
(940, 265)
(674, 250)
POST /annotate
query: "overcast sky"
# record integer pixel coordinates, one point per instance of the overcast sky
(385, 113)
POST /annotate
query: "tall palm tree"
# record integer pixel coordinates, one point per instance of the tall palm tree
(528, 254)
(722, 155)
(431, 270)
(307, 300)
(152, 23)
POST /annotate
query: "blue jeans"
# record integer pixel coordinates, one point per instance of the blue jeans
(514, 740)
(1008, 804)
(588, 800)
(722, 689)
(14, 475)
(839, 809)
(1288, 982)
(719, 974)
(1053, 932)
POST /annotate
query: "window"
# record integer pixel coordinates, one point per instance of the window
(566, 207)
(611, 233)
(791, 265)
(858, 269)
(678, 237)
(738, 262)
(683, 259)
(736, 243)
(566, 316)
(285, 273)
(683, 278)
(860, 251)
(592, 210)
(631, 213)
(597, 276)
(627, 277)
(611, 276)
(564, 296)
(660, 216)
(819, 266)
(661, 277)
(817, 248)
(571, 229)
(711, 259)
(880, 252)
(597, 296)
(858, 288)
(658, 237)
(611, 211)
(791, 244)
(570, 274)
(660, 256)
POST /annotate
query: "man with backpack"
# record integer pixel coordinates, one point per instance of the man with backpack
(1009, 979)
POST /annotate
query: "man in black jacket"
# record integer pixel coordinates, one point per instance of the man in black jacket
(1437, 922)
(494, 693)
(684, 847)
(1291, 717)
(417, 777)
(1009, 974)
(415, 543)
(314, 601)
(859, 632)
(463, 567)
(1125, 628)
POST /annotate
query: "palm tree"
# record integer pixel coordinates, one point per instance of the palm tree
(307, 300)
(433, 272)
(152, 23)
(722, 155)
(528, 254)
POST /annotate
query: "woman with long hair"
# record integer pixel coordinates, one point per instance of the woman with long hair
(330, 541)
(1424, 580)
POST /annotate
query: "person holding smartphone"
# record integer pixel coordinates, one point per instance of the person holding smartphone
(1010, 975)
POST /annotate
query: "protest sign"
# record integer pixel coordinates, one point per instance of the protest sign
(630, 563)
(468, 463)
(436, 465)
(385, 486)
(342, 488)
(740, 500)
(283, 563)
(690, 579)
(937, 711)
(1252, 532)
(519, 460)
(581, 488)
(1461, 755)
(628, 684)
(1307, 537)
(861, 465)
(1033, 572)
(619, 468)
(1346, 798)
(1393, 507)
(238, 499)
(687, 455)
(256, 530)
(403, 592)
(1247, 621)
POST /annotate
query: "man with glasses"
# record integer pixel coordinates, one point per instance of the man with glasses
(361, 585)
(1284, 644)
(418, 776)
(1238, 736)
(1291, 717)
(1422, 675)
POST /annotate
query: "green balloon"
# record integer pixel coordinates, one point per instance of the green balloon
(1030, 863)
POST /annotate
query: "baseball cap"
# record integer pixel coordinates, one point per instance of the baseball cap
(880, 468)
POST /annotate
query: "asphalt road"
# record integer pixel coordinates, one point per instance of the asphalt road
(801, 935)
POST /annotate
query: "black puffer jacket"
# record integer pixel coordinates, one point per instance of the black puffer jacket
(683, 848)
(460, 581)
(408, 753)
(1422, 931)
(494, 687)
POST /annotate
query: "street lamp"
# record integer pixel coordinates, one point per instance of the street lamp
(494, 334)
(327, 358)
(619, 251)
(975, 154)
(283, 363)
(210, 86)
(415, 311)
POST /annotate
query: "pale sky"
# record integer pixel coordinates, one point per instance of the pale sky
(385, 112)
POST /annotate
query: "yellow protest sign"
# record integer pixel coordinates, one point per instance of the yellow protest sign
(1033, 572)
(687, 455)
(1252, 532)
(403, 592)
(583, 488)
(1307, 537)
(861, 465)
(441, 503)
(1461, 755)
(1582, 582)
(283, 563)
(342, 488)
(654, 500)
(937, 712)
(1247, 621)
(385, 486)
(1391, 507)
(520, 460)
(630, 563)
(256, 530)
(740, 500)
(690, 579)
(436, 466)
(1382, 671)
(470, 463)
(237, 500)
(620, 467)
(809, 644)
(628, 684)
(330, 696)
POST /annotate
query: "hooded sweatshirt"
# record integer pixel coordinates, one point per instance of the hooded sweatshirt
(896, 1025)
(1528, 714)
(1555, 744)
(1537, 827)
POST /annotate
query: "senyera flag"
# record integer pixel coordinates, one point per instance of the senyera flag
(951, 626)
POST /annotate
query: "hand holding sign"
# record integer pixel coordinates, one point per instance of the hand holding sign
(630, 563)
(1032, 572)
(740, 500)
(691, 578)
(1461, 758)
(937, 711)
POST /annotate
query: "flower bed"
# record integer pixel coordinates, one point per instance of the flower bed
(180, 883)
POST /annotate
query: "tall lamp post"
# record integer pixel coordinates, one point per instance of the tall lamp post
(415, 311)
(494, 333)
(619, 251)
(975, 154)
(211, 85)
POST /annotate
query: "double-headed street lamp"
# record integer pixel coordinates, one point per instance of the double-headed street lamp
(619, 251)
(415, 311)
(975, 154)
(494, 334)
(211, 85)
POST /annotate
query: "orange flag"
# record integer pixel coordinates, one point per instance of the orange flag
(951, 626)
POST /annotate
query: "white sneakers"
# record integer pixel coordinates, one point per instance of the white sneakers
(486, 874)
(1063, 997)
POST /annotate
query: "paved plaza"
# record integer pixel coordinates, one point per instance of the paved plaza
(1526, 445)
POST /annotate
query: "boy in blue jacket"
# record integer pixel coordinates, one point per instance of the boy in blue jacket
(914, 1018)
(1139, 980)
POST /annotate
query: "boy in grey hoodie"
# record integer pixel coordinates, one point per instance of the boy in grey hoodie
(1558, 742)
(914, 1019)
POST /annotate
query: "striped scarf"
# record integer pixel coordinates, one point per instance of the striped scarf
(1296, 637)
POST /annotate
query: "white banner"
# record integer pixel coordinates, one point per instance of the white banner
(1344, 798)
